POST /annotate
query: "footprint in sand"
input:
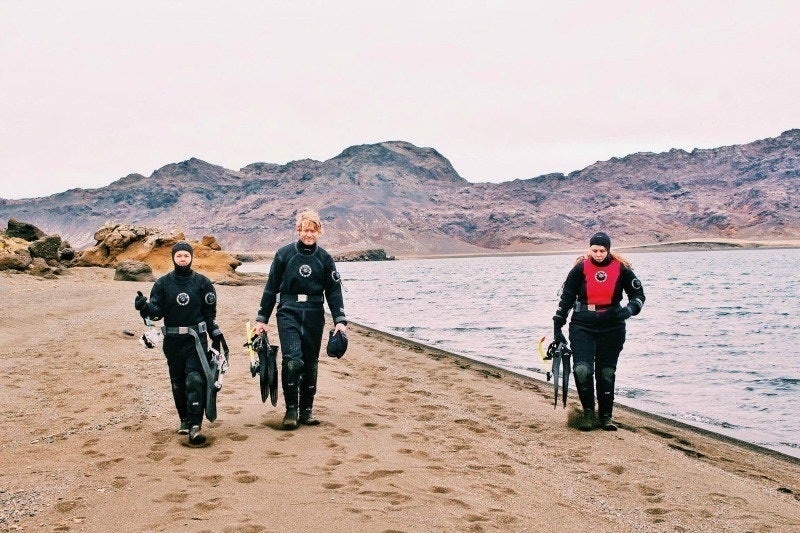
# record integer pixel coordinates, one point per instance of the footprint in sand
(120, 482)
(394, 498)
(221, 457)
(156, 456)
(616, 469)
(110, 462)
(238, 437)
(472, 425)
(243, 476)
(209, 505)
(173, 497)
(213, 479)
(377, 474)
(66, 506)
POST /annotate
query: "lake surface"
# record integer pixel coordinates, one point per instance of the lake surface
(715, 346)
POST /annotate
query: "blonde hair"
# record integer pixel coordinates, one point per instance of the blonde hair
(308, 217)
(613, 255)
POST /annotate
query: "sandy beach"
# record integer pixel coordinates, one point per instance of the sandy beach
(412, 439)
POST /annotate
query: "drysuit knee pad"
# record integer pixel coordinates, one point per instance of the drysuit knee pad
(607, 374)
(194, 382)
(582, 373)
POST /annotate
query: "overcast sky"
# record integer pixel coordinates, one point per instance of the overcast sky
(91, 91)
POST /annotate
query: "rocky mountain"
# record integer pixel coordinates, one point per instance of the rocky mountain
(408, 200)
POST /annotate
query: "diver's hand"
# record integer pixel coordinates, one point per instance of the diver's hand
(558, 335)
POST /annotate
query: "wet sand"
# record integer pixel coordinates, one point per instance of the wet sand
(412, 439)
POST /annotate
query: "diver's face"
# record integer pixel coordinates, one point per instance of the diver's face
(308, 234)
(182, 258)
(598, 253)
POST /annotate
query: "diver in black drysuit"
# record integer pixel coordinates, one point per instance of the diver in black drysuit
(593, 291)
(300, 277)
(184, 298)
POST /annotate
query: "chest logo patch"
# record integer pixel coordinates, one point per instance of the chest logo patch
(182, 298)
(600, 276)
(305, 270)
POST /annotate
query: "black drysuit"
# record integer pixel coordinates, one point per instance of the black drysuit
(593, 291)
(300, 278)
(184, 298)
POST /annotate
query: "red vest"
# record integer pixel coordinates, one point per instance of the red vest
(600, 281)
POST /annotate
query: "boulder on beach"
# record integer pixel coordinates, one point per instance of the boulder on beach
(120, 242)
(372, 254)
(133, 270)
(26, 248)
(23, 230)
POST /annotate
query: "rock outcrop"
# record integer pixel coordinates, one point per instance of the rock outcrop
(375, 254)
(26, 248)
(117, 243)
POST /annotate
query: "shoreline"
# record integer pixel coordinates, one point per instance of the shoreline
(411, 439)
(661, 419)
(687, 245)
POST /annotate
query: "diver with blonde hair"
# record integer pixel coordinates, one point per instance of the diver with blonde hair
(302, 276)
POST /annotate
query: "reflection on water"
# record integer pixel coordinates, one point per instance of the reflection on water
(714, 346)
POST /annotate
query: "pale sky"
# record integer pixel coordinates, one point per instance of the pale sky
(91, 91)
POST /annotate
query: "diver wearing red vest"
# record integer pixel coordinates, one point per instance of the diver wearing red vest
(593, 291)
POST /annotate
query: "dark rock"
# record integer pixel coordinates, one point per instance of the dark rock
(66, 254)
(39, 267)
(132, 270)
(364, 255)
(23, 230)
(46, 247)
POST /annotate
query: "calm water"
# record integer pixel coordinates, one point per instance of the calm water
(715, 347)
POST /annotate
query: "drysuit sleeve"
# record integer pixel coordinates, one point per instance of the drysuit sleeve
(333, 291)
(208, 306)
(569, 293)
(271, 289)
(155, 307)
(634, 290)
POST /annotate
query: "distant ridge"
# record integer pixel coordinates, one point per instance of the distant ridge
(410, 200)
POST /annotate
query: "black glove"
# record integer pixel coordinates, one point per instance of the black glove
(623, 313)
(140, 302)
(558, 336)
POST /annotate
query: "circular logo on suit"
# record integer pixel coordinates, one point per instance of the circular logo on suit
(182, 299)
(305, 270)
(600, 276)
(336, 276)
(211, 298)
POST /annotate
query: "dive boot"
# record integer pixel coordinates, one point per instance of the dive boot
(587, 421)
(290, 418)
(195, 436)
(184, 427)
(307, 417)
(606, 423)
(290, 378)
